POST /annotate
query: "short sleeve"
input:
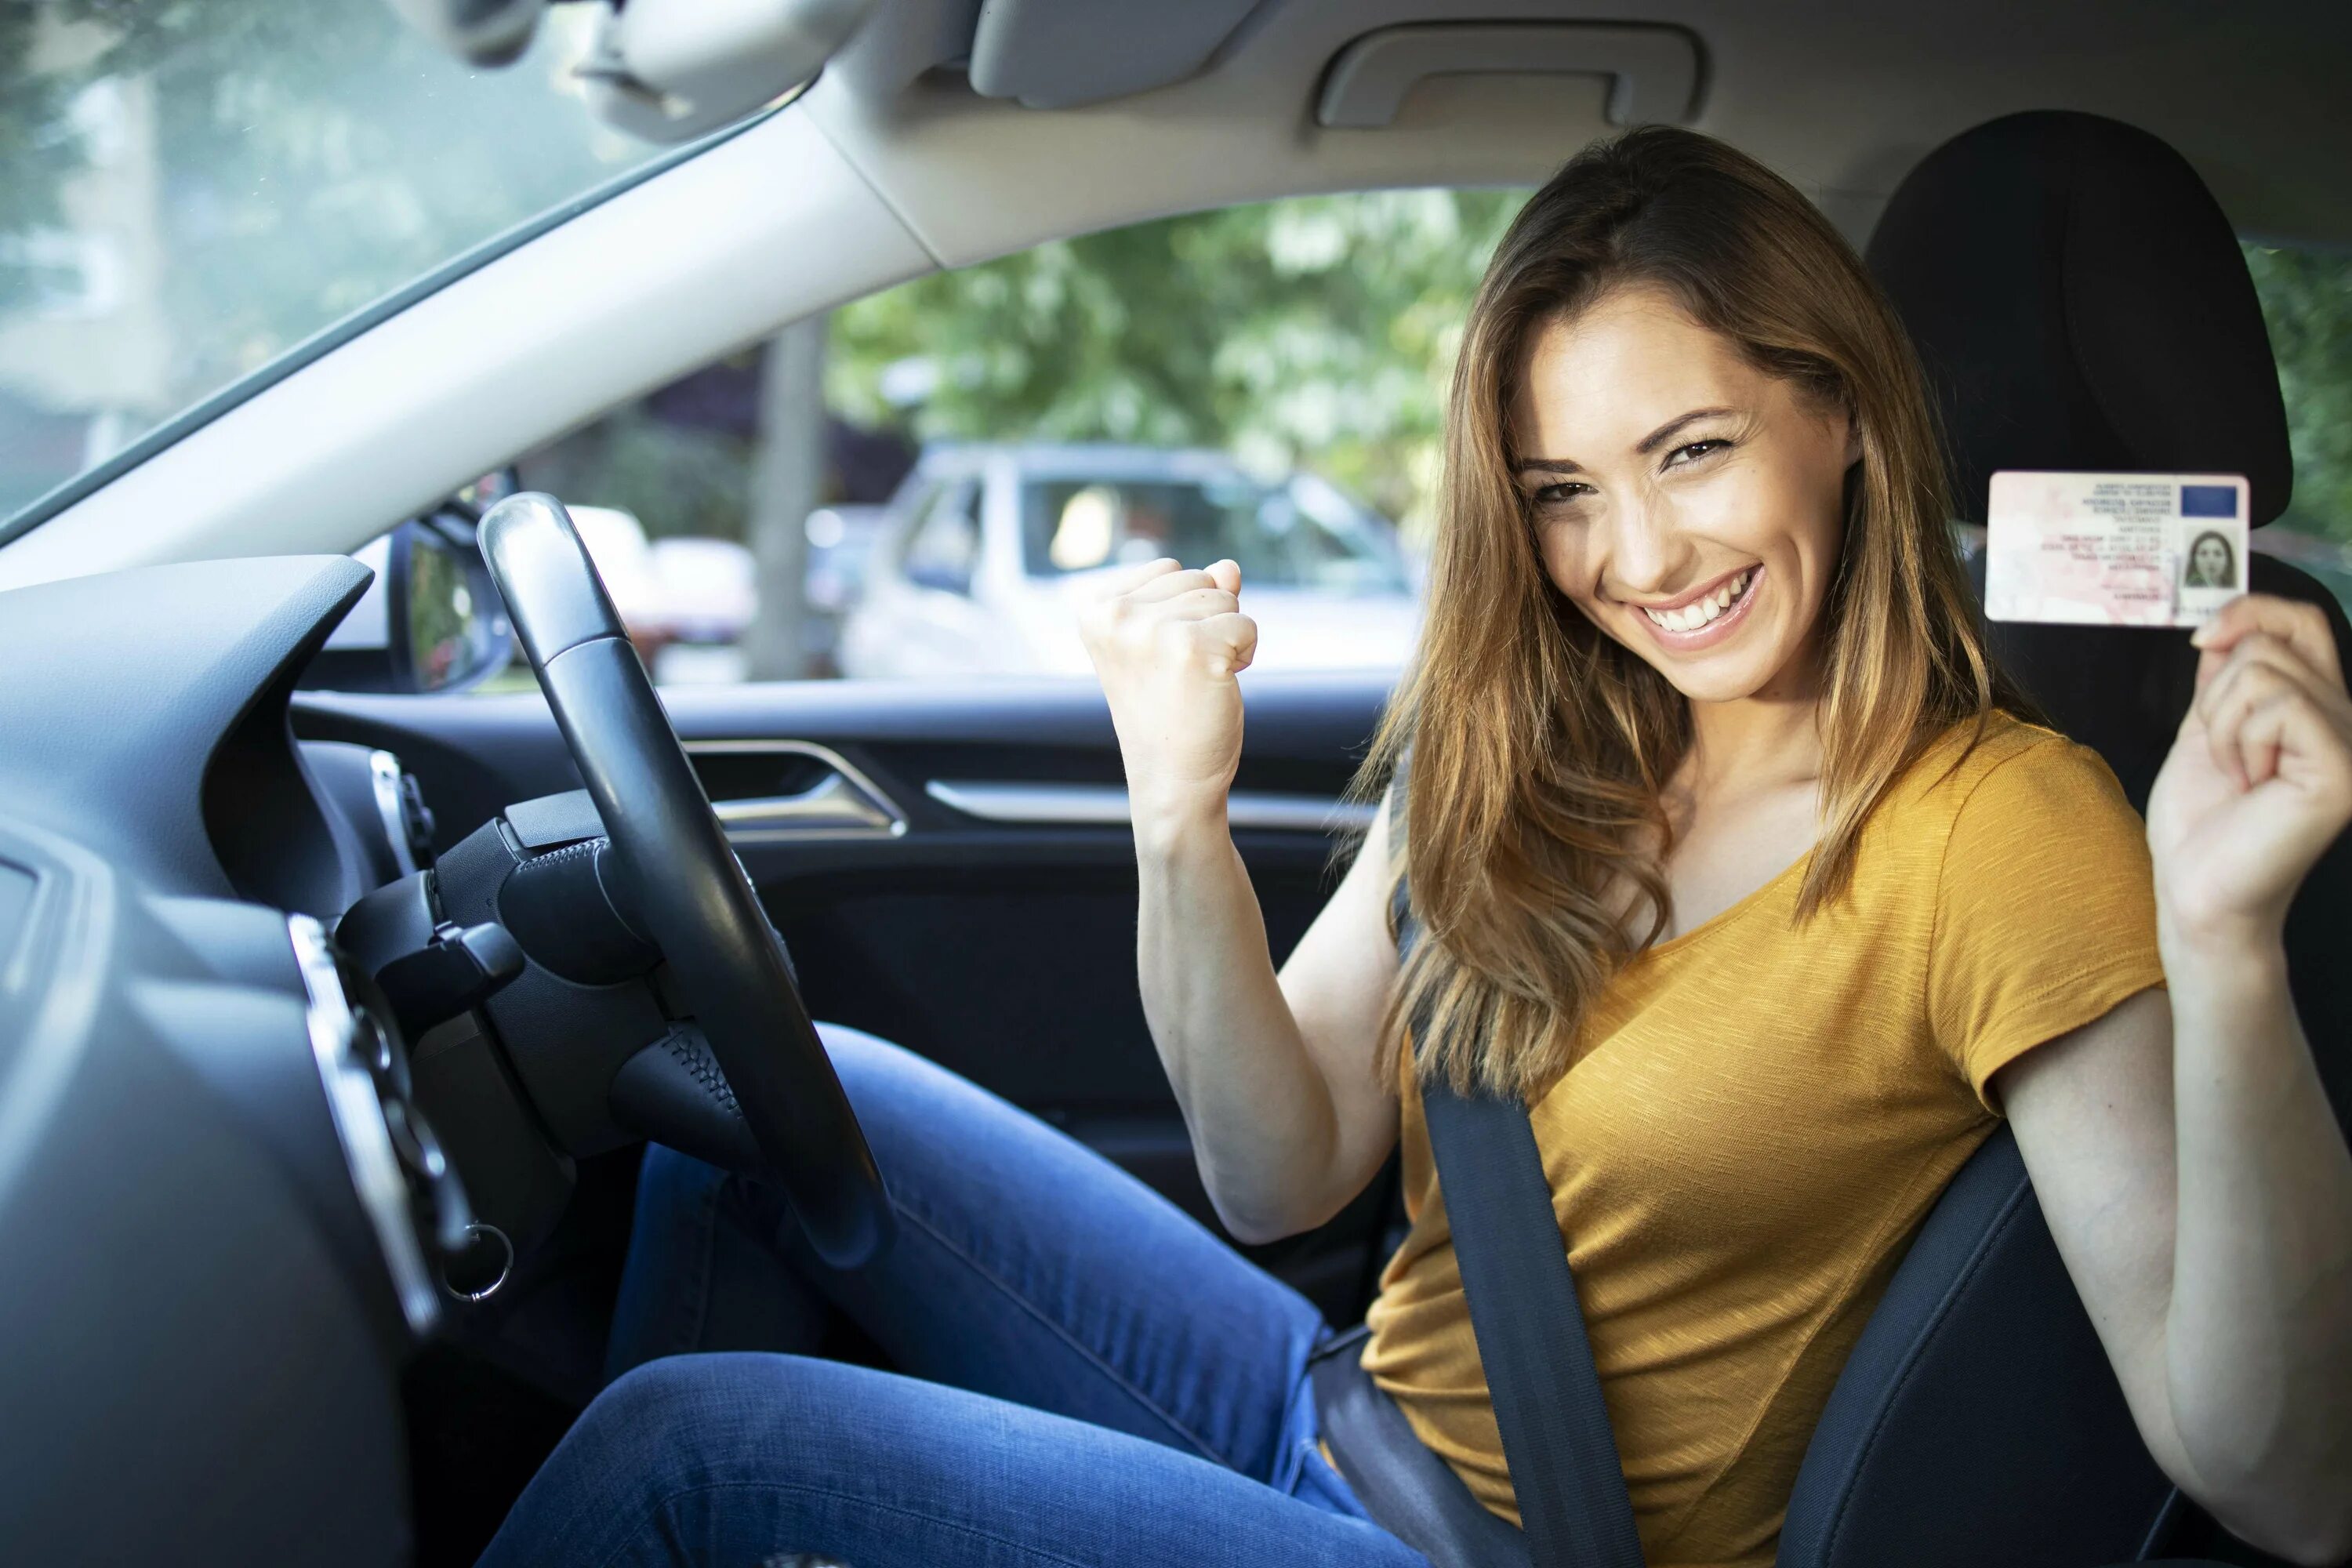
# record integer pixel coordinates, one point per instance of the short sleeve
(2046, 909)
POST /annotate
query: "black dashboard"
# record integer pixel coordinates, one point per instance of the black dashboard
(214, 1224)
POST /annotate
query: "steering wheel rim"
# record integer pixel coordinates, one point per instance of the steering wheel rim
(684, 882)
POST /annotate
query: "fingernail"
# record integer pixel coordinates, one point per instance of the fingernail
(2201, 635)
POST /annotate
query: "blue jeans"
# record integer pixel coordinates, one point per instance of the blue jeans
(1087, 1376)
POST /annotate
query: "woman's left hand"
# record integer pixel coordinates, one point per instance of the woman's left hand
(2259, 781)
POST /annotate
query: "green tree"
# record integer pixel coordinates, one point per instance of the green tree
(1317, 330)
(314, 157)
(38, 150)
(304, 160)
(2307, 303)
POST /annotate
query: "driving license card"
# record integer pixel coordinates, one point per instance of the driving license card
(2116, 550)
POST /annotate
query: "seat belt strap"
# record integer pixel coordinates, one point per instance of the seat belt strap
(1524, 1311)
(1529, 1326)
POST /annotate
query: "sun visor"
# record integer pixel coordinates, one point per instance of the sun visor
(1059, 54)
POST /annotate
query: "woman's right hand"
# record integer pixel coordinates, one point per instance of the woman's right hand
(1167, 644)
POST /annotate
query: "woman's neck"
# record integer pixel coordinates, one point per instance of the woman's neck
(1768, 741)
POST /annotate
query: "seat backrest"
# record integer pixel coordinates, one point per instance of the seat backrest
(2079, 303)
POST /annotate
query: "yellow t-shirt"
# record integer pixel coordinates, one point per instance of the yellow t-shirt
(1762, 1112)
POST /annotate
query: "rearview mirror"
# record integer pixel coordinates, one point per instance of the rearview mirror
(666, 70)
(431, 621)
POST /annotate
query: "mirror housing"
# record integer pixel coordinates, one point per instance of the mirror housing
(670, 70)
(431, 621)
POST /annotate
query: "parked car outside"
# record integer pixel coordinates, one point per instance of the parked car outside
(687, 602)
(988, 550)
(841, 540)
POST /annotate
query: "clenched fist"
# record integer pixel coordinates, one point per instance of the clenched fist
(1167, 644)
(2259, 781)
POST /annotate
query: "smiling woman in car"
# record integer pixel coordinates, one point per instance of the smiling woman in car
(1737, 861)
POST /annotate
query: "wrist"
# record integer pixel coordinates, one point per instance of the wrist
(2190, 922)
(2223, 956)
(1167, 822)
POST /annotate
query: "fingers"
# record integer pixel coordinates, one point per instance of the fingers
(2259, 648)
(2302, 627)
(1213, 641)
(1234, 634)
(1134, 577)
(1188, 618)
(2295, 735)
(2267, 678)
(1172, 585)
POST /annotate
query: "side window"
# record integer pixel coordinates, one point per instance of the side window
(1262, 382)
(943, 548)
(2306, 298)
(1289, 534)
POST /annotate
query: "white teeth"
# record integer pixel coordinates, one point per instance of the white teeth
(1699, 612)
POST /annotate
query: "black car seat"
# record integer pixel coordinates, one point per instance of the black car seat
(2080, 302)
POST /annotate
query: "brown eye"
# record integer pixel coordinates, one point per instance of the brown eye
(1691, 452)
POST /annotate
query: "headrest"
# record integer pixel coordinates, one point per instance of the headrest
(2080, 302)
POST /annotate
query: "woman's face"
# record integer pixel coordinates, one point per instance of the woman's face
(1691, 505)
(2212, 559)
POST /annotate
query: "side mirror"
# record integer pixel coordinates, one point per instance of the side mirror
(431, 621)
(944, 579)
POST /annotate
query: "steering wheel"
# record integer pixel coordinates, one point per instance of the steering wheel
(685, 888)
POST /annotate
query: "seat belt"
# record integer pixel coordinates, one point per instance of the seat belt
(1529, 1326)
(1524, 1312)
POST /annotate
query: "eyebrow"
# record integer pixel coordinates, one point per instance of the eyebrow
(1646, 445)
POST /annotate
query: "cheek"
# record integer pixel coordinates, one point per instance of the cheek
(1564, 551)
(1809, 512)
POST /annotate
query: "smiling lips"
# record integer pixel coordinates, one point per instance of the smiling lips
(1693, 615)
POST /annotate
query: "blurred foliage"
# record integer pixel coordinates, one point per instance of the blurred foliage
(39, 149)
(676, 478)
(1317, 330)
(2307, 303)
(305, 159)
(1321, 331)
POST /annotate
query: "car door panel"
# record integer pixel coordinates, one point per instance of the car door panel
(967, 888)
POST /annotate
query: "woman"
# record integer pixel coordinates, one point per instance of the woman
(2212, 564)
(1734, 858)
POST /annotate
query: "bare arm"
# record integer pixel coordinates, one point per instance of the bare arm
(1273, 1073)
(2183, 1148)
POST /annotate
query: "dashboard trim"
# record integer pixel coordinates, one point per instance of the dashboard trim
(360, 1126)
(383, 776)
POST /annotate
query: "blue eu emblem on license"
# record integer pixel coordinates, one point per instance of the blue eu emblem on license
(2209, 500)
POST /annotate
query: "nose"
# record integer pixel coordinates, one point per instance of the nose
(1648, 556)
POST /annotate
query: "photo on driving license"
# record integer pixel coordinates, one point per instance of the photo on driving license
(1340, 783)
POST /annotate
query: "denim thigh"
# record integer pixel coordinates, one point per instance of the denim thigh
(1026, 1267)
(739, 1460)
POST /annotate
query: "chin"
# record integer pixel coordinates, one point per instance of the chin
(1712, 686)
(1722, 675)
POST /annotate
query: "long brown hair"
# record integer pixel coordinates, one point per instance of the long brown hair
(1540, 748)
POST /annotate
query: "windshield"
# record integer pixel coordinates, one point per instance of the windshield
(190, 187)
(1301, 533)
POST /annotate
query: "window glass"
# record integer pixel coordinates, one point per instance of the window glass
(944, 548)
(188, 189)
(1264, 382)
(1074, 523)
(2306, 298)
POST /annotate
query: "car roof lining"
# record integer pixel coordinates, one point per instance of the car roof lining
(1842, 97)
(892, 163)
